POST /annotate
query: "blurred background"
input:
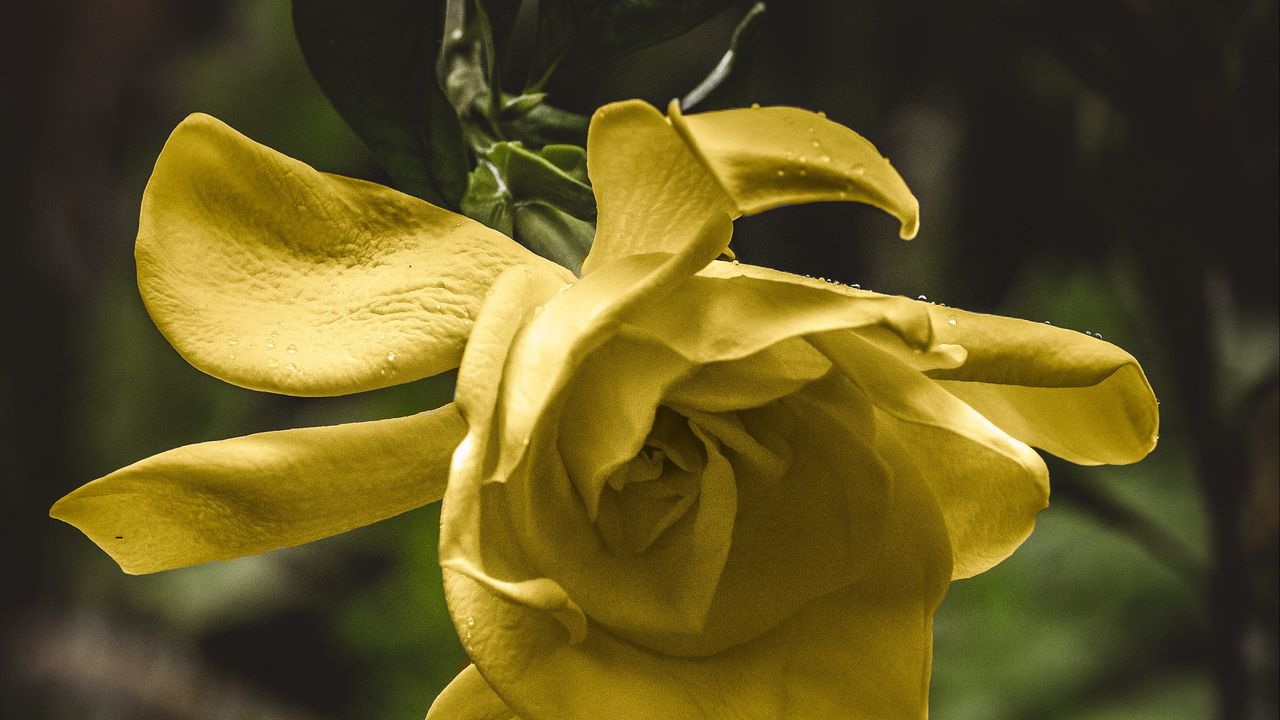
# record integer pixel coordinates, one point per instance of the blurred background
(1106, 166)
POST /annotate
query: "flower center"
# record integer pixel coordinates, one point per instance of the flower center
(650, 492)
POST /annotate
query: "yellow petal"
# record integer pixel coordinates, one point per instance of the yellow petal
(652, 192)
(989, 486)
(859, 652)
(230, 498)
(469, 697)
(766, 157)
(265, 273)
(1078, 397)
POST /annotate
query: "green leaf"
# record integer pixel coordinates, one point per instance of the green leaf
(544, 124)
(578, 36)
(488, 199)
(553, 234)
(532, 176)
(539, 199)
(376, 63)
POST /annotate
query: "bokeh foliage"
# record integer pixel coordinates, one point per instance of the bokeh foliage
(1106, 167)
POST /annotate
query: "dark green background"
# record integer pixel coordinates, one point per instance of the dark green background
(1105, 166)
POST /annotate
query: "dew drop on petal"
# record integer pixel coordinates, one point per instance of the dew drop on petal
(270, 345)
(821, 114)
(291, 349)
(272, 362)
(951, 321)
(391, 357)
(923, 298)
(755, 106)
(233, 342)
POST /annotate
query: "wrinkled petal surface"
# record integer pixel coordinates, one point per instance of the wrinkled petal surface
(270, 275)
(230, 498)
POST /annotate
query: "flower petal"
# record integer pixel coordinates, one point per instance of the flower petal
(988, 485)
(230, 498)
(1076, 396)
(469, 697)
(656, 180)
(862, 651)
(267, 274)
(766, 157)
(652, 192)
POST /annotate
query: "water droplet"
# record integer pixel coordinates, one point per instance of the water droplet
(270, 345)
(735, 261)
(856, 286)
(391, 357)
(815, 143)
(951, 321)
(1098, 335)
(293, 369)
(302, 208)
(755, 106)
(233, 342)
(233, 356)
(858, 170)
(810, 129)
(922, 297)
(1046, 322)
(781, 173)
(291, 349)
(824, 158)
(275, 333)
(272, 362)
(821, 114)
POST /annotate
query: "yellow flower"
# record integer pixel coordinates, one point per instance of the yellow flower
(682, 487)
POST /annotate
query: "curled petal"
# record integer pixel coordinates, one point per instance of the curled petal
(771, 156)
(1078, 397)
(656, 180)
(270, 275)
(230, 498)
